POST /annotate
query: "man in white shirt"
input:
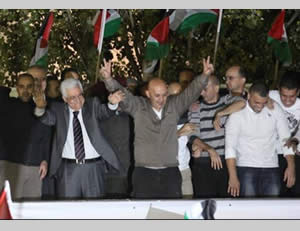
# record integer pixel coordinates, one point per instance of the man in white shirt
(250, 147)
(287, 98)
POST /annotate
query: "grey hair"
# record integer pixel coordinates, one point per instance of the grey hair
(69, 84)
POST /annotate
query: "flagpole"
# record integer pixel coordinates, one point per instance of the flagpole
(218, 35)
(100, 42)
(160, 67)
(273, 86)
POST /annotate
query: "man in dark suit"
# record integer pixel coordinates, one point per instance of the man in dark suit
(80, 153)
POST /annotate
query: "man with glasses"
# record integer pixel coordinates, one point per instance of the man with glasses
(235, 78)
(80, 153)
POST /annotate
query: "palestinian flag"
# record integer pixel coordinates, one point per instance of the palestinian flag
(4, 208)
(40, 56)
(158, 41)
(278, 39)
(182, 20)
(112, 24)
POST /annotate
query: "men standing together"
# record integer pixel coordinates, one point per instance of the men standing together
(250, 141)
(234, 156)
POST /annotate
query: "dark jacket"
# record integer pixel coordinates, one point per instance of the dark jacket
(25, 139)
(92, 111)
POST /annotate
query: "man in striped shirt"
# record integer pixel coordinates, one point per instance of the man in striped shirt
(209, 173)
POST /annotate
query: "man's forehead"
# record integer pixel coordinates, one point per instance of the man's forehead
(73, 91)
(36, 73)
(284, 90)
(25, 81)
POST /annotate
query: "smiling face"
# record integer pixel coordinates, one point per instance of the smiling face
(257, 102)
(288, 97)
(157, 93)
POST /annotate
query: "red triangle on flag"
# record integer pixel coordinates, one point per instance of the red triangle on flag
(161, 31)
(97, 26)
(277, 31)
(4, 209)
(47, 29)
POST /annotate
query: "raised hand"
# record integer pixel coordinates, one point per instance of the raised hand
(105, 70)
(39, 97)
(208, 68)
(116, 97)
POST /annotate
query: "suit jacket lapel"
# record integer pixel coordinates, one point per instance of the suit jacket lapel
(87, 120)
(67, 116)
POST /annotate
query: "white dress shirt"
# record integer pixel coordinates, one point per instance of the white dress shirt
(69, 150)
(251, 137)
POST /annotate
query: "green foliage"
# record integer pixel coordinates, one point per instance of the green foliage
(243, 40)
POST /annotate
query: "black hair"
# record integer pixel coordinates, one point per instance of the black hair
(66, 70)
(290, 80)
(260, 88)
(24, 75)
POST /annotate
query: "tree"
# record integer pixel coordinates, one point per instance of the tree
(243, 40)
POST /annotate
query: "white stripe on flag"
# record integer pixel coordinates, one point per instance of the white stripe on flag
(113, 15)
(101, 34)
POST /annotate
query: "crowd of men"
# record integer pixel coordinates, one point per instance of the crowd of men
(184, 139)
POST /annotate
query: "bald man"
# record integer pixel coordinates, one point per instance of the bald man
(156, 173)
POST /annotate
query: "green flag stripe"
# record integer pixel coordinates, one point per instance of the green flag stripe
(281, 50)
(194, 20)
(156, 51)
(43, 61)
(111, 27)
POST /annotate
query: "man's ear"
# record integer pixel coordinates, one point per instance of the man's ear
(298, 92)
(217, 87)
(147, 93)
(65, 99)
(244, 81)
